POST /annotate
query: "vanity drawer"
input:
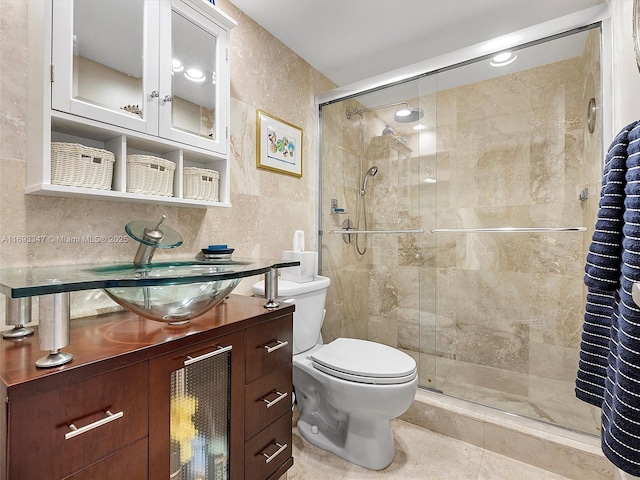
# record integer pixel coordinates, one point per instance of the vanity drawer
(269, 345)
(265, 452)
(266, 399)
(108, 411)
(129, 463)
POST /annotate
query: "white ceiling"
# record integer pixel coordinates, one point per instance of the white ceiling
(353, 40)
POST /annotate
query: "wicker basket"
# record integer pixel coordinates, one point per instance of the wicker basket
(150, 175)
(77, 165)
(201, 184)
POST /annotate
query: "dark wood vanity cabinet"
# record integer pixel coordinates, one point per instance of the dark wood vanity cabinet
(107, 414)
(268, 392)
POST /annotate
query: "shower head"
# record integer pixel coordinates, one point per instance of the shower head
(408, 115)
(351, 113)
(370, 173)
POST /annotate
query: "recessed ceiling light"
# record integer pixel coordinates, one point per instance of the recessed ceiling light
(177, 65)
(195, 75)
(420, 126)
(503, 58)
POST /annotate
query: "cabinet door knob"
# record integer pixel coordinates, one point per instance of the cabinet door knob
(167, 98)
(155, 94)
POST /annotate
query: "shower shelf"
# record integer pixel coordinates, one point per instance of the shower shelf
(509, 230)
(353, 231)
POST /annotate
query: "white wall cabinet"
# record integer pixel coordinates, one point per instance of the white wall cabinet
(133, 77)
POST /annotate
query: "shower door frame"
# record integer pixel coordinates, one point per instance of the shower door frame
(599, 15)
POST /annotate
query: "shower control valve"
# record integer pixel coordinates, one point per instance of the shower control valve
(335, 209)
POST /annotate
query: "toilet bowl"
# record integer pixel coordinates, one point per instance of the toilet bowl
(348, 390)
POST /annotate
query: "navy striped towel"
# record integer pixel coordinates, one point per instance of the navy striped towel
(609, 368)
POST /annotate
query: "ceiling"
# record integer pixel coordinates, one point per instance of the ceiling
(353, 40)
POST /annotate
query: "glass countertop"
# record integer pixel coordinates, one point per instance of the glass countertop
(33, 281)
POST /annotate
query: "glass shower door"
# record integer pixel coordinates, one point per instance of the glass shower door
(376, 180)
(515, 152)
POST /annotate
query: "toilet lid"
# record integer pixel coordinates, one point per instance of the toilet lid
(363, 361)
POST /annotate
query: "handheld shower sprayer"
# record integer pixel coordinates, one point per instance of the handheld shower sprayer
(370, 173)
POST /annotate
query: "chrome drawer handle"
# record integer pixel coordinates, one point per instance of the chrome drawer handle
(277, 452)
(277, 346)
(277, 399)
(75, 431)
(220, 350)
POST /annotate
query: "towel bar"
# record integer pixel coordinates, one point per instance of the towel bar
(509, 230)
(349, 231)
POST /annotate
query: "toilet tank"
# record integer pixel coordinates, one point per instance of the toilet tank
(309, 299)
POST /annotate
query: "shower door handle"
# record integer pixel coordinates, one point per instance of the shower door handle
(350, 231)
(509, 230)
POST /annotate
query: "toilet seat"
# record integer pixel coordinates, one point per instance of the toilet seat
(363, 361)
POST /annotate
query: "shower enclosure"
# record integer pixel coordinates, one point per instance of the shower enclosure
(459, 236)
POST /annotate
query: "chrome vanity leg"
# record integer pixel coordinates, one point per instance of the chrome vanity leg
(271, 288)
(54, 329)
(18, 313)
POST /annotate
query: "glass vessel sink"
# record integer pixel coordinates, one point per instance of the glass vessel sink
(175, 304)
(172, 302)
(172, 291)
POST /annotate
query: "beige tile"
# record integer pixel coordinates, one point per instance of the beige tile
(499, 467)
(420, 454)
(527, 446)
(450, 421)
(312, 463)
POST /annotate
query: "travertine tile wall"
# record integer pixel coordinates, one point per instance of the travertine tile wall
(348, 296)
(266, 207)
(511, 163)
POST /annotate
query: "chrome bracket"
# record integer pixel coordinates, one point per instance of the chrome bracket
(271, 288)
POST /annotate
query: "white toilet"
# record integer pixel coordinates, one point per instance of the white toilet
(349, 390)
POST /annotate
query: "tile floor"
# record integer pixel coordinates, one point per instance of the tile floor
(420, 455)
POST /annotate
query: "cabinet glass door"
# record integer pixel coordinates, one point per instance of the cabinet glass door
(105, 60)
(191, 107)
(200, 418)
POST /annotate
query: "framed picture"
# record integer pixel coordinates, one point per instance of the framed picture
(279, 145)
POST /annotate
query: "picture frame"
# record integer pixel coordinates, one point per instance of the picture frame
(278, 145)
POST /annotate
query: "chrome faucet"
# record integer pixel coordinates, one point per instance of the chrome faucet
(151, 238)
(146, 250)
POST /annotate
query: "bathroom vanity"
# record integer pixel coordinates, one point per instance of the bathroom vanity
(110, 412)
